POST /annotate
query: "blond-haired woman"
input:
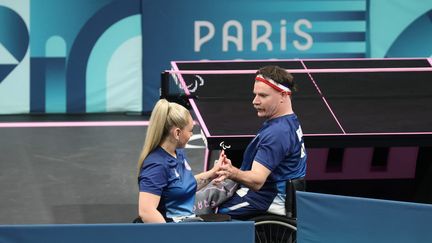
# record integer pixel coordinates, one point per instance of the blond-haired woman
(167, 186)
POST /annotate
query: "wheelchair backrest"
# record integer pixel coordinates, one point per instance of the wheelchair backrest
(292, 186)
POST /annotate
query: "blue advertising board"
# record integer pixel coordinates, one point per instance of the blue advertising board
(81, 56)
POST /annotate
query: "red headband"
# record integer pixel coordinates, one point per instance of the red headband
(275, 85)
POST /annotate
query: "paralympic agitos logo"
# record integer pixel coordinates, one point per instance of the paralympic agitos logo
(14, 41)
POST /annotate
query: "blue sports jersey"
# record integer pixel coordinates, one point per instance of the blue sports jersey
(171, 179)
(279, 147)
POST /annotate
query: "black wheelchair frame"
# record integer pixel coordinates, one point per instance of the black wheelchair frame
(277, 228)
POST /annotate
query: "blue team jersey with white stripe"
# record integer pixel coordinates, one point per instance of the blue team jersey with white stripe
(171, 179)
(278, 146)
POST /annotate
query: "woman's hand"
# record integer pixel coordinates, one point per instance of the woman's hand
(218, 163)
(204, 178)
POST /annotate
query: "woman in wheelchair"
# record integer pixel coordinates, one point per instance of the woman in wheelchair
(166, 185)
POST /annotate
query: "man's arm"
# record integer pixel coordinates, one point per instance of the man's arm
(253, 179)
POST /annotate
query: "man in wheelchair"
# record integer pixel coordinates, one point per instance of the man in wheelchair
(274, 157)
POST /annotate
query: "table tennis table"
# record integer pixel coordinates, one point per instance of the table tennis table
(361, 118)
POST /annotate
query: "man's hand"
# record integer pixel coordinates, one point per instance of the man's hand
(226, 171)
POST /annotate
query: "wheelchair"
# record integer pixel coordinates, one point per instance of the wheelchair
(270, 227)
(277, 228)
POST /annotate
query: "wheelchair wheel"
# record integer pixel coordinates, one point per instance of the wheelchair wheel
(272, 228)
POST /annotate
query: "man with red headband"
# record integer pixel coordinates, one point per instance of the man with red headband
(276, 154)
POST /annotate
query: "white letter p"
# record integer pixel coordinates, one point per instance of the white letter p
(198, 41)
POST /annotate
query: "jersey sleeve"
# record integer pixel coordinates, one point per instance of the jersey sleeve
(153, 178)
(272, 149)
